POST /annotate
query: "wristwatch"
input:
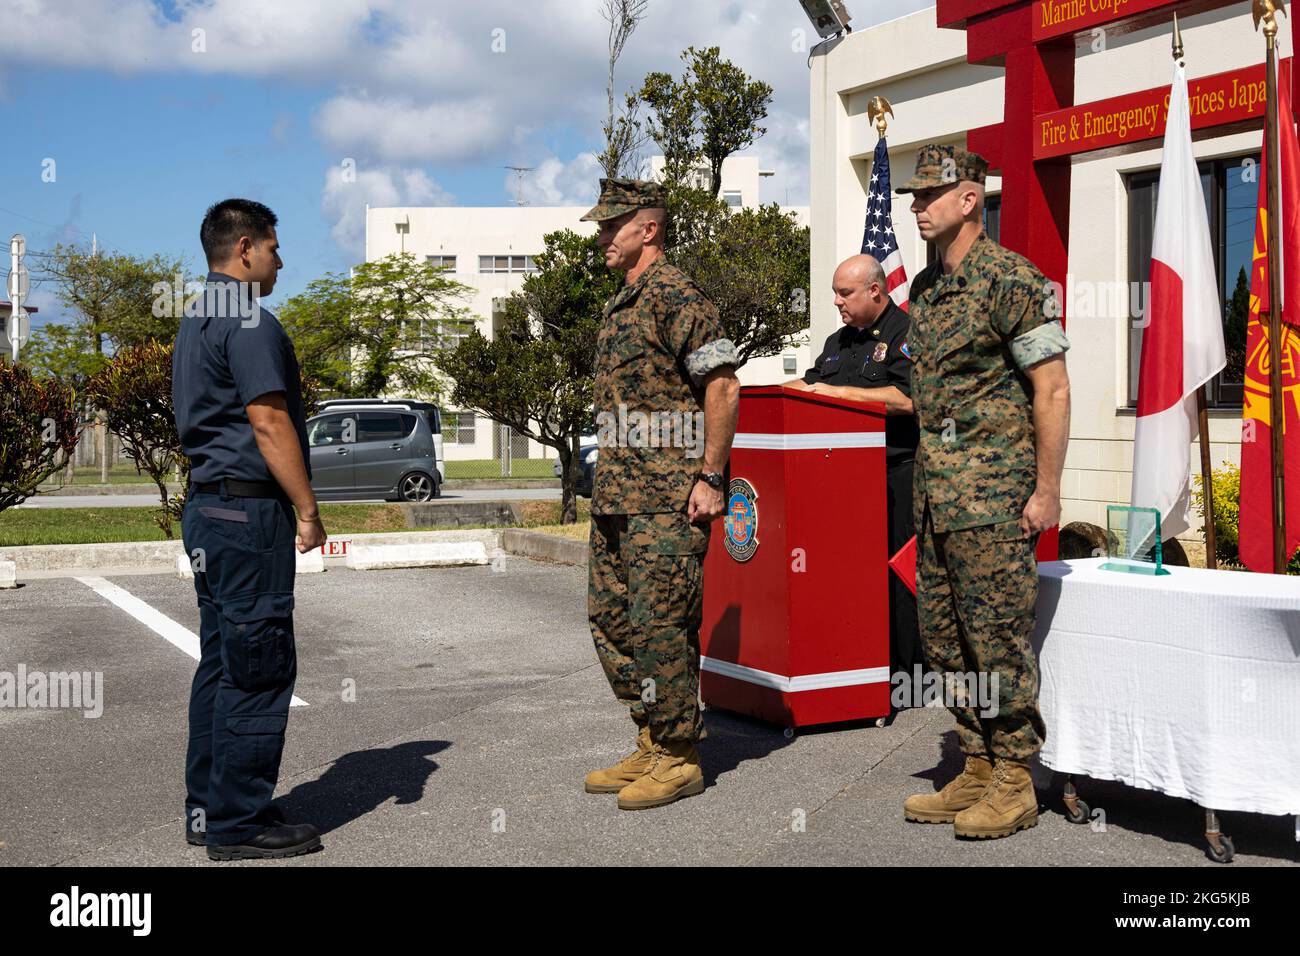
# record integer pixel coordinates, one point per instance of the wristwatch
(712, 478)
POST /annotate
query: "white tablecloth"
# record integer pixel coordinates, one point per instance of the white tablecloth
(1187, 684)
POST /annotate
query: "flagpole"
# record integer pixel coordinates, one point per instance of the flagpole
(1265, 11)
(1202, 415)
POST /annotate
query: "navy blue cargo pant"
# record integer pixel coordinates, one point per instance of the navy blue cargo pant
(243, 554)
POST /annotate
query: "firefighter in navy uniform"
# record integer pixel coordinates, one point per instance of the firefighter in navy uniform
(868, 360)
(239, 414)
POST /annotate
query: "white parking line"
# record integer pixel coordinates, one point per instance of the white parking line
(175, 634)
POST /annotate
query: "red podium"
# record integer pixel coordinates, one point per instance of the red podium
(796, 583)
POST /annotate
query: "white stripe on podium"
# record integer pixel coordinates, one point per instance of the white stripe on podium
(752, 675)
(813, 440)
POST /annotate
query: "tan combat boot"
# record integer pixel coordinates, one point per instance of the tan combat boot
(676, 773)
(630, 768)
(1009, 804)
(961, 792)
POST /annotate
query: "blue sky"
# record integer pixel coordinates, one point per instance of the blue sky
(153, 109)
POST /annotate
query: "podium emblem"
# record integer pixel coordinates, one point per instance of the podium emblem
(740, 525)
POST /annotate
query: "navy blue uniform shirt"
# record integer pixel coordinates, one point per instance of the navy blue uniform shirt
(874, 357)
(228, 353)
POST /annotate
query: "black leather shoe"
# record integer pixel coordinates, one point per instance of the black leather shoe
(288, 839)
(274, 814)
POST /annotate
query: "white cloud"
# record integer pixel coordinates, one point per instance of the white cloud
(408, 82)
(344, 200)
(399, 131)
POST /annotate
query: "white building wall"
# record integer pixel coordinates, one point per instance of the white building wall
(470, 232)
(937, 96)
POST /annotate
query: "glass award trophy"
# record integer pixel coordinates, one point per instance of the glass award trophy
(1133, 541)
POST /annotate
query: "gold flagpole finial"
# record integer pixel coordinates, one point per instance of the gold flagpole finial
(876, 111)
(1266, 11)
(1178, 40)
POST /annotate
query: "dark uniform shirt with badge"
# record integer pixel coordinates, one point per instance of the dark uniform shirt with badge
(876, 356)
(232, 353)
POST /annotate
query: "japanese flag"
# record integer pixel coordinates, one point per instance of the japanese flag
(1182, 344)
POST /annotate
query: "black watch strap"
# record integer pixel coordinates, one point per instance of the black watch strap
(712, 478)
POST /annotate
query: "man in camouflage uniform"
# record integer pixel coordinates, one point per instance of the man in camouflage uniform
(666, 401)
(992, 395)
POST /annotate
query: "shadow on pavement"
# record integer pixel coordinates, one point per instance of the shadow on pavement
(361, 781)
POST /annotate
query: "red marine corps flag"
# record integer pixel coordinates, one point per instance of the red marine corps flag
(1255, 532)
(1182, 344)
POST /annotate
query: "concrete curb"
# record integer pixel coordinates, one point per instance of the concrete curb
(162, 557)
(432, 554)
(535, 544)
(433, 514)
(451, 484)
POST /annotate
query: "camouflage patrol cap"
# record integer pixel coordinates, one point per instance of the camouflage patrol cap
(619, 196)
(943, 166)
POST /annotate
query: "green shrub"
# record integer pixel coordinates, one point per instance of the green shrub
(1226, 482)
(135, 392)
(38, 419)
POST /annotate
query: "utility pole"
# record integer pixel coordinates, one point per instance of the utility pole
(19, 283)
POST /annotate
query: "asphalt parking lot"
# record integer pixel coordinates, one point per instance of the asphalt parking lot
(479, 707)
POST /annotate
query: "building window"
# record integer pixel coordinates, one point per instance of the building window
(493, 265)
(993, 217)
(790, 364)
(1230, 199)
(453, 331)
(458, 428)
(447, 263)
(731, 197)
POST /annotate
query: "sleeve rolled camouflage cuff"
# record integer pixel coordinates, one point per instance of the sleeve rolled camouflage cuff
(709, 357)
(1040, 344)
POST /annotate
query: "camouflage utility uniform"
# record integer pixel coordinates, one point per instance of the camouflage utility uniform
(973, 333)
(660, 338)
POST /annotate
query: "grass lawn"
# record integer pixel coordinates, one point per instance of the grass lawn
(491, 468)
(27, 526)
(120, 473)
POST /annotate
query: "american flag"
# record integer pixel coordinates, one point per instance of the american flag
(878, 237)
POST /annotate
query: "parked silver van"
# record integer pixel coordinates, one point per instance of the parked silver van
(374, 448)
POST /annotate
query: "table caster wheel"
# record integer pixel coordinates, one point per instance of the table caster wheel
(1224, 852)
(1079, 813)
(789, 733)
(880, 721)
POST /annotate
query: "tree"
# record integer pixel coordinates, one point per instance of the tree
(753, 264)
(378, 331)
(712, 112)
(538, 372)
(624, 131)
(116, 300)
(38, 421)
(756, 271)
(1234, 331)
(135, 393)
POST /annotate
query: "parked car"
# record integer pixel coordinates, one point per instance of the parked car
(374, 448)
(587, 455)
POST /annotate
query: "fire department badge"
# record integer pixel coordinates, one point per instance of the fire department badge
(882, 349)
(740, 524)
